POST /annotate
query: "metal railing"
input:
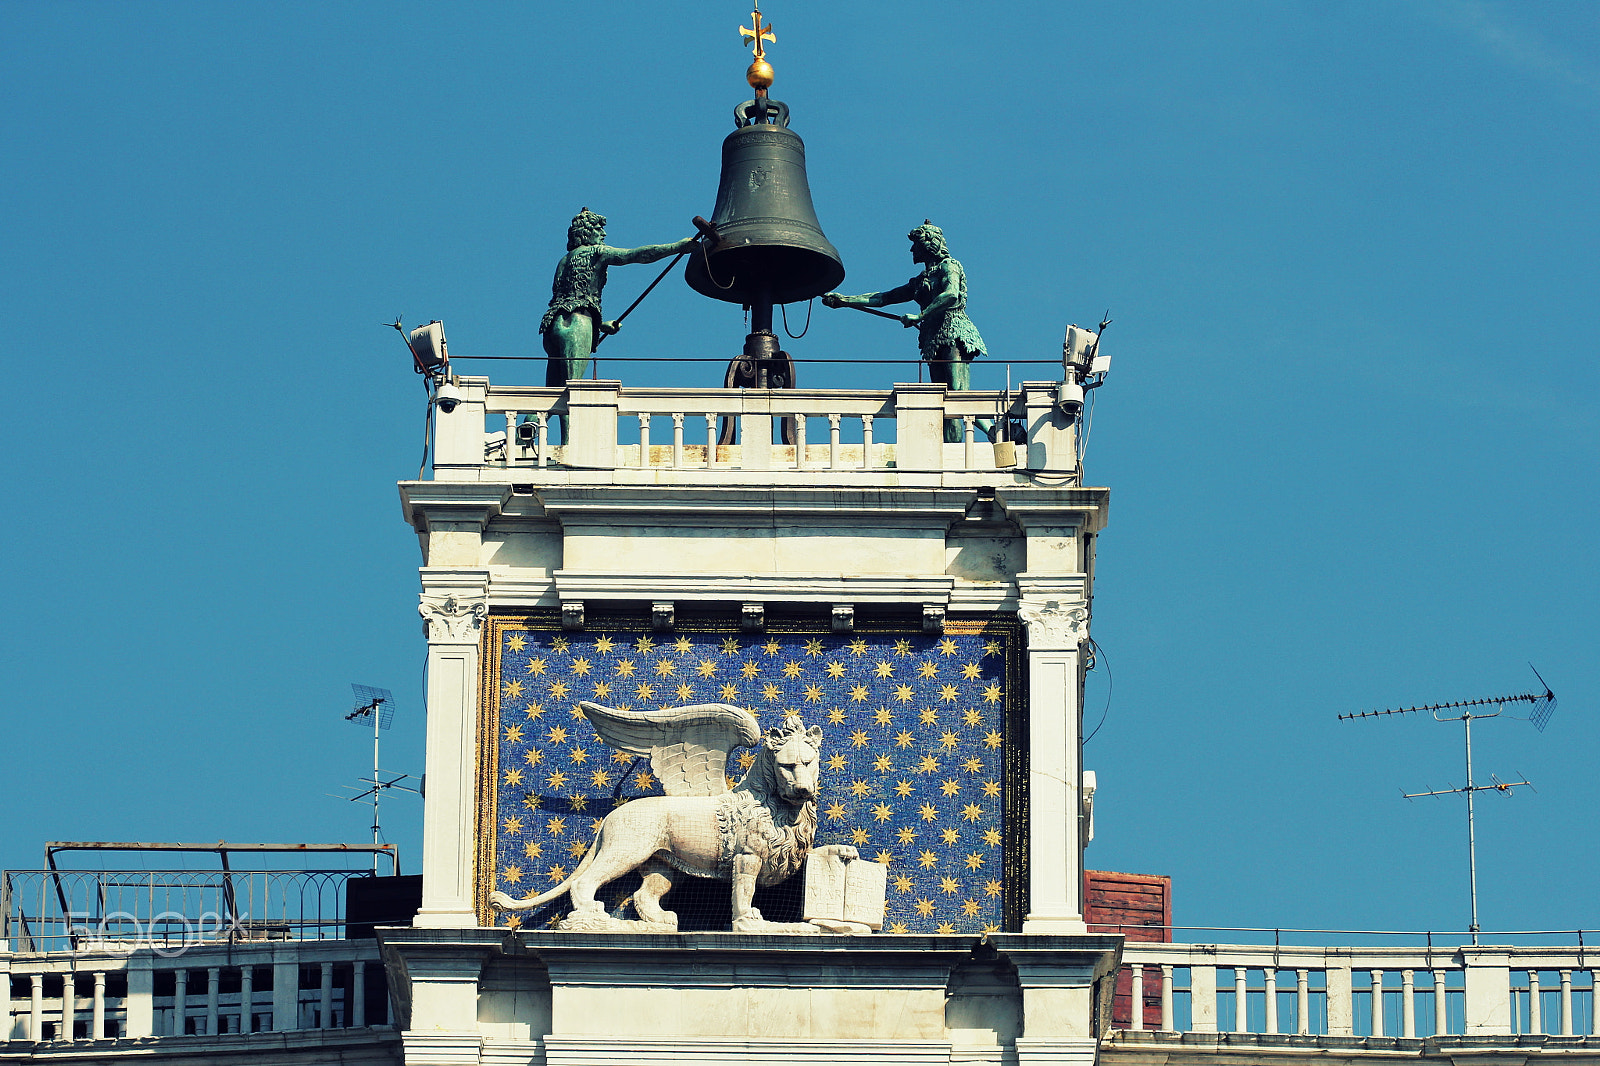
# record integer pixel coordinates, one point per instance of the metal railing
(110, 910)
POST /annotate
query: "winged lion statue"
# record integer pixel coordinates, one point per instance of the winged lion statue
(756, 833)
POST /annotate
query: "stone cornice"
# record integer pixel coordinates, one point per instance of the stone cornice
(1085, 507)
(836, 587)
(423, 502)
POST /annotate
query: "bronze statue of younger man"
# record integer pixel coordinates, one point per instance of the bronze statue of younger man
(572, 326)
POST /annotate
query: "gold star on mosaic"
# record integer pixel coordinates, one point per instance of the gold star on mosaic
(706, 668)
(882, 764)
(903, 788)
(813, 694)
(537, 667)
(511, 874)
(513, 689)
(580, 666)
(836, 761)
(991, 837)
(881, 812)
(835, 811)
(835, 715)
(972, 812)
(927, 669)
(924, 907)
(859, 787)
(949, 885)
(928, 715)
(513, 825)
(643, 780)
(835, 669)
(730, 646)
(858, 693)
(577, 848)
(604, 645)
(974, 861)
(646, 691)
(857, 647)
(928, 811)
(903, 739)
(513, 777)
(769, 691)
(556, 826)
(813, 646)
(927, 765)
(516, 642)
(556, 873)
(948, 741)
(791, 669)
(601, 777)
(556, 780)
(682, 646)
(730, 692)
(772, 647)
(579, 755)
(903, 693)
(665, 667)
(948, 692)
(902, 647)
(578, 802)
(883, 669)
(749, 670)
(557, 734)
(906, 835)
(745, 759)
(513, 734)
(625, 667)
(533, 756)
(949, 787)
(971, 671)
(992, 889)
(533, 849)
(991, 647)
(858, 739)
(945, 929)
(901, 882)
(643, 645)
(883, 715)
(973, 766)
(859, 836)
(684, 692)
(898, 928)
(602, 689)
(991, 789)
(558, 690)
(972, 717)
(949, 835)
(883, 857)
(992, 739)
(534, 710)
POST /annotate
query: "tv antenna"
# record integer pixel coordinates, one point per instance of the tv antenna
(1543, 705)
(375, 705)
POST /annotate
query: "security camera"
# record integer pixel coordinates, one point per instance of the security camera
(447, 397)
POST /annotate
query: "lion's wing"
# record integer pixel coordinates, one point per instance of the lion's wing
(688, 746)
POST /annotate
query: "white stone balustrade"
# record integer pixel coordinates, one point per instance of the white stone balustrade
(1366, 991)
(209, 991)
(600, 414)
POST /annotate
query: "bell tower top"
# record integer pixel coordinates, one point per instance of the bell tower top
(760, 73)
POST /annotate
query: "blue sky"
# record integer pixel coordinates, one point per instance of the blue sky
(1350, 251)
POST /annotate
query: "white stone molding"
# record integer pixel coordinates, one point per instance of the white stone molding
(571, 615)
(452, 619)
(663, 615)
(844, 617)
(1053, 624)
(753, 617)
(787, 587)
(933, 618)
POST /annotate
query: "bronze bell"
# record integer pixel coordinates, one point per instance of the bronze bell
(769, 247)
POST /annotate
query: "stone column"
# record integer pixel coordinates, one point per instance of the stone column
(325, 1019)
(247, 995)
(213, 999)
(454, 623)
(1055, 721)
(357, 1007)
(36, 1014)
(180, 1002)
(97, 1022)
(69, 1005)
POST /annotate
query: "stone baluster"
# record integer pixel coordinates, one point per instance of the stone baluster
(1408, 1004)
(97, 1019)
(511, 438)
(799, 442)
(1377, 1002)
(1440, 1023)
(677, 442)
(1167, 1021)
(1269, 979)
(543, 430)
(833, 442)
(1136, 1008)
(711, 440)
(1239, 1001)
(356, 1009)
(36, 1014)
(69, 1006)
(1535, 1022)
(866, 442)
(180, 1002)
(326, 1021)
(1566, 1002)
(213, 998)
(644, 439)
(968, 461)
(247, 995)
(1302, 1002)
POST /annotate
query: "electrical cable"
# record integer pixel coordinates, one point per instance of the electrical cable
(1099, 657)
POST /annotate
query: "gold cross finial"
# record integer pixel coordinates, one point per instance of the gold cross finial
(759, 34)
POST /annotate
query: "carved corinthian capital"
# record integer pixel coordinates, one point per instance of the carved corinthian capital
(451, 620)
(1054, 624)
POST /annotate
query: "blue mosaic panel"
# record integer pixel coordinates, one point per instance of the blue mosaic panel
(919, 756)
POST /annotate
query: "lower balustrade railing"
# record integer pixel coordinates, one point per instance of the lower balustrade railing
(1358, 991)
(199, 992)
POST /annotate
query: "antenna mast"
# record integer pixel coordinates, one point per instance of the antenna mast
(376, 705)
(1544, 704)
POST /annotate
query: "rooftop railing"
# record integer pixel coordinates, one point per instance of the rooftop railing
(815, 431)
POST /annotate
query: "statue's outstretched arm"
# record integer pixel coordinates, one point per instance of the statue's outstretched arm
(897, 295)
(648, 253)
